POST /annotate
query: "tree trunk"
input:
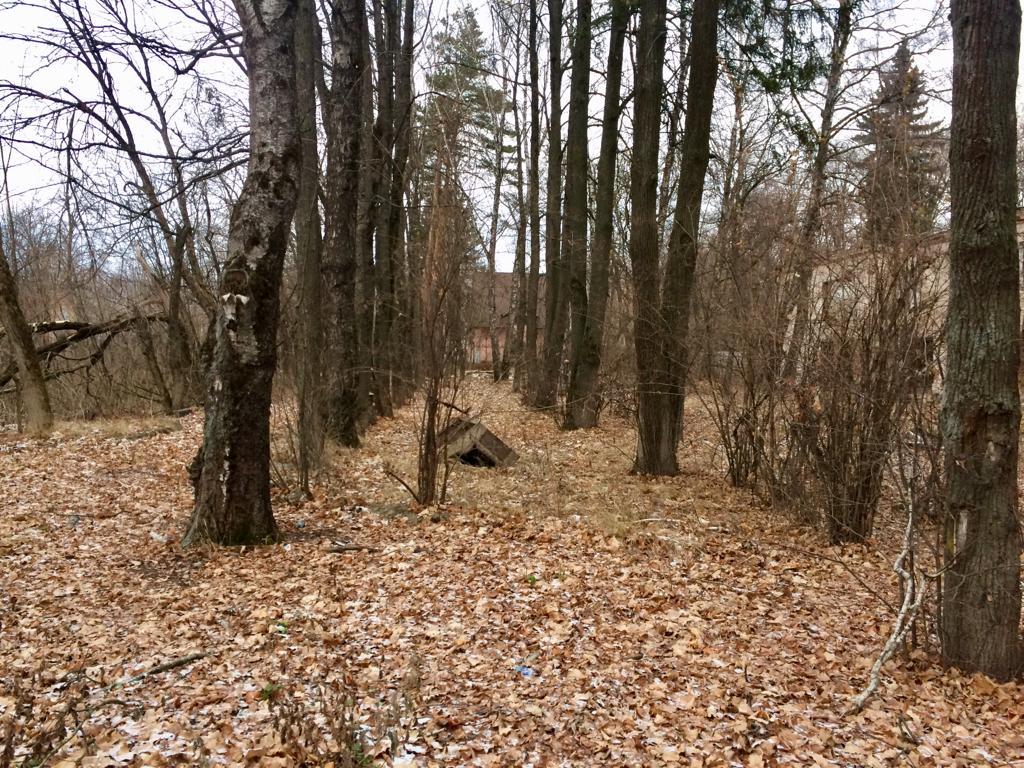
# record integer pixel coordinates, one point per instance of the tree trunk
(515, 335)
(403, 114)
(981, 599)
(233, 479)
(38, 416)
(341, 213)
(662, 335)
(533, 204)
(492, 240)
(811, 228)
(574, 222)
(582, 401)
(308, 247)
(643, 239)
(555, 306)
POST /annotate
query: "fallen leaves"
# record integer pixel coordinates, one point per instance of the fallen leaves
(534, 622)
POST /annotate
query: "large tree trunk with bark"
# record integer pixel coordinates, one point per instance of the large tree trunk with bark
(981, 599)
(582, 401)
(342, 210)
(663, 305)
(232, 478)
(643, 231)
(574, 221)
(38, 416)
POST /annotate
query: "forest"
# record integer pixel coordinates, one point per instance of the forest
(510, 383)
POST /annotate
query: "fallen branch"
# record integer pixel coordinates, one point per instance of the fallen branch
(846, 566)
(181, 661)
(340, 548)
(79, 332)
(913, 597)
(395, 476)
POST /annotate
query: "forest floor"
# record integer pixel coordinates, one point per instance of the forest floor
(557, 613)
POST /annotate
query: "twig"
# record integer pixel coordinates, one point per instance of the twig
(181, 661)
(395, 476)
(846, 566)
(339, 548)
(913, 596)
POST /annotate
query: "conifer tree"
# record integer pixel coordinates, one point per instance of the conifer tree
(902, 181)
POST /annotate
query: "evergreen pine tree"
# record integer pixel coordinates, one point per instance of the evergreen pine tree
(902, 181)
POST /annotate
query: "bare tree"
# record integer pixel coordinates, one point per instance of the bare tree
(582, 400)
(232, 470)
(38, 416)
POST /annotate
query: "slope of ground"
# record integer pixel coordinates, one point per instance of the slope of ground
(557, 613)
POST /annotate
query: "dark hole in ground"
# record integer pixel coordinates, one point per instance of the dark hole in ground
(476, 458)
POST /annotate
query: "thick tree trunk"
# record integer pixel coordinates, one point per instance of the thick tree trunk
(662, 337)
(308, 247)
(652, 443)
(555, 305)
(981, 599)
(38, 416)
(582, 401)
(386, 31)
(574, 222)
(233, 482)
(341, 213)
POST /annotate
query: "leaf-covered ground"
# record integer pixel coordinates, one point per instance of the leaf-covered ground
(558, 613)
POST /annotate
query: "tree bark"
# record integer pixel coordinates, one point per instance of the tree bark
(492, 238)
(555, 306)
(643, 236)
(574, 221)
(533, 204)
(981, 598)
(342, 211)
(662, 336)
(233, 467)
(38, 415)
(308, 246)
(582, 401)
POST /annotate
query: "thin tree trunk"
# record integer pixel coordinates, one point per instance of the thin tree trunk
(179, 354)
(308, 248)
(515, 335)
(492, 240)
(232, 470)
(582, 401)
(809, 232)
(38, 415)
(403, 114)
(556, 307)
(533, 205)
(981, 600)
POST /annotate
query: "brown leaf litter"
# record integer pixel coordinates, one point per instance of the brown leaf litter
(559, 612)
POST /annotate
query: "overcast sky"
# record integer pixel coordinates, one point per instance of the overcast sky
(28, 181)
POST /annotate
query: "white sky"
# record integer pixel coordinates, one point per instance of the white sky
(28, 182)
